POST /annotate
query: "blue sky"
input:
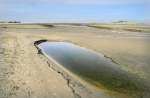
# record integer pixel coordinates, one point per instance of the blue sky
(75, 10)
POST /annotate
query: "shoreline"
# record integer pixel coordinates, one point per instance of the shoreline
(76, 84)
(86, 81)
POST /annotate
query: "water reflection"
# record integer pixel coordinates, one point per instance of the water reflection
(92, 66)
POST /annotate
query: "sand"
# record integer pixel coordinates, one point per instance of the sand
(26, 74)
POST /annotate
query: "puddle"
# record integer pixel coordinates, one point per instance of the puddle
(92, 66)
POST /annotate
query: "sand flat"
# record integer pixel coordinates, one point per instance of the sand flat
(26, 73)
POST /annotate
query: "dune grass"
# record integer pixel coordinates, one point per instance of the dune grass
(126, 27)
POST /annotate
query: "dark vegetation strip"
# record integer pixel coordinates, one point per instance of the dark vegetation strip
(100, 27)
(47, 25)
(122, 28)
(133, 30)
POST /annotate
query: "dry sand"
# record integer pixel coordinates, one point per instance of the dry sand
(26, 74)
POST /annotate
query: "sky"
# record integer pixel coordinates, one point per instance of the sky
(75, 10)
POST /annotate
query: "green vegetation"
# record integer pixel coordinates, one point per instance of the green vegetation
(100, 27)
(47, 25)
(126, 27)
(119, 83)
(26, 26)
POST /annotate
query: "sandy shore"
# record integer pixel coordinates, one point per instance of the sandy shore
(26, 74)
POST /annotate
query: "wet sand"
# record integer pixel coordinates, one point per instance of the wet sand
(26, 74)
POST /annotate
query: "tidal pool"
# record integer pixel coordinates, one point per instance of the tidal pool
(92, 66)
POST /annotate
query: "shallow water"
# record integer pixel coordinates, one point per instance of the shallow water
(92, 66)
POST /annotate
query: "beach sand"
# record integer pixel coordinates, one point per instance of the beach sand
(26, 74)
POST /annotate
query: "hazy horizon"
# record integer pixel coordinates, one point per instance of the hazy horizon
(40, 11)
